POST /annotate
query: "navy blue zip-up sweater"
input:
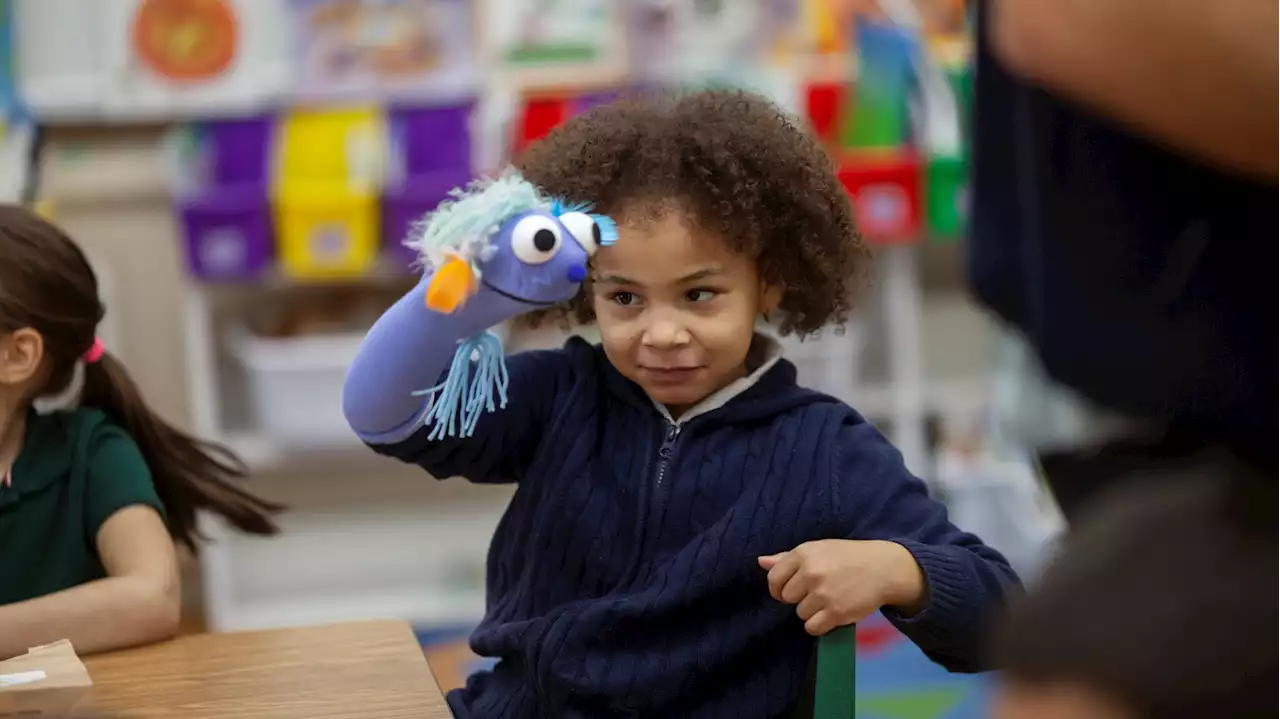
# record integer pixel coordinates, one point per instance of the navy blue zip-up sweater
(623, 578)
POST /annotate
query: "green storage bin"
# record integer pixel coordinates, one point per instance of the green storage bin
(946, 193)
(960, 78)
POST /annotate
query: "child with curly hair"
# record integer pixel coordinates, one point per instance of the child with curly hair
(684, 511)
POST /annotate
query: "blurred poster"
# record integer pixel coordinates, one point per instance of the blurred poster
(185, 41)
(710, 40)
(827, 29)
(375, 49)
(830, 24)
(9, 105)
(557, 43)
(945, 28)
(178, 58)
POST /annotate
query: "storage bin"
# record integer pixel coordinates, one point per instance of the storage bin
(405, 205)
(345, 144)
(885, 189)
(331, 165)
(946, 192)
(295, 385)
(538, 116)
(227, 233)
(960, 78)
(825, 104)
(222, 202)
(431, 151)
(587, 101)
(425, 140)
(327, 230)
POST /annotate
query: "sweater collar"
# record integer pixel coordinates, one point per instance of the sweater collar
(764, 353)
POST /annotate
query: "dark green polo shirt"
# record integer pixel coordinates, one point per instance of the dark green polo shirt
(75, 470)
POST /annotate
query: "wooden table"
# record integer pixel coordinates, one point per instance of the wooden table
(365, 670)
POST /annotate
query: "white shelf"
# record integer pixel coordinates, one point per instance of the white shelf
(400, 546)
(429, 609)
(948, 397)
(264, 454)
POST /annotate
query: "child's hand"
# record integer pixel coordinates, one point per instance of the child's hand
(837, 582)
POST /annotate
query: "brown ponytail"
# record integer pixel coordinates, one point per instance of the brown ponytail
(47, 284)
(190, 474)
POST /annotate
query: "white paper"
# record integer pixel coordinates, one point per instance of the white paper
(12, 680)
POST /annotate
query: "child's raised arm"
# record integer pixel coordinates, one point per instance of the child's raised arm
(410, 349)
(498, 250)
(407, 351)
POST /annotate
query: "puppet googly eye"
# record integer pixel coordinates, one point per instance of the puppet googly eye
(584, 229)
(535, 239)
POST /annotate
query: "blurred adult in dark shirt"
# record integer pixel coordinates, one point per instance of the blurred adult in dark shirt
(1124, 219)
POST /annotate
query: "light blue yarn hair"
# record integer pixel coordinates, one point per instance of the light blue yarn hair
(462, 225)
(457, 402)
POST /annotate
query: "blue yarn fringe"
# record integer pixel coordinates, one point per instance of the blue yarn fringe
(478, 368)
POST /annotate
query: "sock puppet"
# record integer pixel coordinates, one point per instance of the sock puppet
(494, 250)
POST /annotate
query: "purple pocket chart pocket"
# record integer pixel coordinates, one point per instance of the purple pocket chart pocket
(226, 220)
(239, 149)
(432, 139)
(582, 103)
(432, 147)
(228, 232)
(405, 205)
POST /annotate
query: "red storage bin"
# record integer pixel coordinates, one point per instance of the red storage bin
(885, 190)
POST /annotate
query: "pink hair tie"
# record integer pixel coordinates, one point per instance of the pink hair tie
(95, 351)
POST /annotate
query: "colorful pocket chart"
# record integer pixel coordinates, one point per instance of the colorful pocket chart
(320, 195)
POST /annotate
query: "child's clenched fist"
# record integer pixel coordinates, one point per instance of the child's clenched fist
(837, 582)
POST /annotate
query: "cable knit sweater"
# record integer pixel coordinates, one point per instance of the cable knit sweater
(622, 580)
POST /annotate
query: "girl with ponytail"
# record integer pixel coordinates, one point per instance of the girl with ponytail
(93, 498)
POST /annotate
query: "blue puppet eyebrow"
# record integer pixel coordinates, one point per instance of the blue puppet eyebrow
(608, 228)
(564, 207)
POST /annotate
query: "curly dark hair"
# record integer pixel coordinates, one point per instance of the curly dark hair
(738, 166)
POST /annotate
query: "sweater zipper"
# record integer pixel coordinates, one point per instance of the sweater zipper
(665, 452)
(657, 502)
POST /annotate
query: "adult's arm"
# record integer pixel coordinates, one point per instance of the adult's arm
(1198, 76)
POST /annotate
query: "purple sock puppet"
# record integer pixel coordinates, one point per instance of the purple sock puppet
(497, 249)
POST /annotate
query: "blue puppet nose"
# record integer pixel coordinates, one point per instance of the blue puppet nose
(577, 273)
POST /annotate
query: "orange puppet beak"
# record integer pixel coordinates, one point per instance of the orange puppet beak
(452, 284)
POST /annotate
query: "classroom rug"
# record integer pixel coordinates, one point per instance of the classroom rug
(895, 679)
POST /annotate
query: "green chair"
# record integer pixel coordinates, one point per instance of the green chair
(830, 690)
